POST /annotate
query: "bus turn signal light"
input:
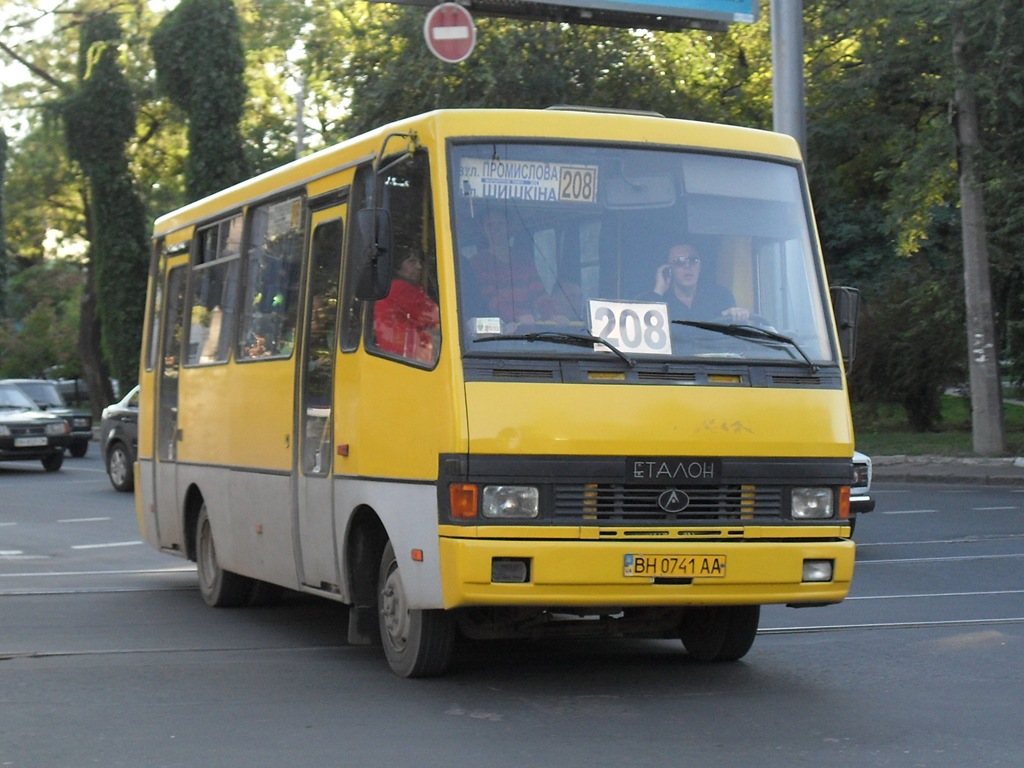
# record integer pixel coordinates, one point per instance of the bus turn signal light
(463, 499)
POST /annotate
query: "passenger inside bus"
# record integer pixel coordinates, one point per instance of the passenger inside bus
(508, 285)
(407, 320)
(678, 283)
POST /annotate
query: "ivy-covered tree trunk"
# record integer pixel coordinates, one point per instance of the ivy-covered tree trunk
(3, 227)
(99, 120)
(200, 66)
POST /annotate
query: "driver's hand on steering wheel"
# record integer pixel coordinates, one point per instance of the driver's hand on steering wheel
(736, 314)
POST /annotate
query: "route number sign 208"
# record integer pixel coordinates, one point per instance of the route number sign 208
(631, 326)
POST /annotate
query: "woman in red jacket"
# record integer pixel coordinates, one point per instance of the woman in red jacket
(406, 321)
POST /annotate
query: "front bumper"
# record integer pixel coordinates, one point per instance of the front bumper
(583, 573)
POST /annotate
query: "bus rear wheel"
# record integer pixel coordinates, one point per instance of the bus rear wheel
(219, 588)
(720, 633)
(417, 643)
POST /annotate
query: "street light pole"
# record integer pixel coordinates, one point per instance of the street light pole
(788, 114)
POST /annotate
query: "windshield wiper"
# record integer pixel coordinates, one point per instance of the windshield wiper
(751, 332)
(556, 337)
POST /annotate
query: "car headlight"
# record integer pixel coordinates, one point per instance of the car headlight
(511, 501)
(58, 428)
(812, 503)
(5, 431)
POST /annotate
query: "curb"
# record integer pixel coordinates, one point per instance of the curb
(949, 469)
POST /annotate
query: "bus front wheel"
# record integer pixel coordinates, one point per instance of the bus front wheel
(219, 588)
(720, 633)
(417, 643)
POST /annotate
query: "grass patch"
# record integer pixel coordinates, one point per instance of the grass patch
(882, 430)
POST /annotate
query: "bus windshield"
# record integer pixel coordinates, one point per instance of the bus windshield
(635, 254)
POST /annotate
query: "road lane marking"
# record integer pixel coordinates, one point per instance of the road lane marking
(981, 539)
(85, 520)
(939, 594)
(949, 559)
(994, 509)
(909, 511)
(108, 544)
(889, 625)
(121, 572)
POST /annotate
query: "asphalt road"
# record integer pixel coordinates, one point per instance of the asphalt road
(108, 657)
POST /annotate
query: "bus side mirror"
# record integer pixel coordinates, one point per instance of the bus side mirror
(846, 307)
(371, 260)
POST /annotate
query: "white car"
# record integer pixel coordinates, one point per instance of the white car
(861, 501)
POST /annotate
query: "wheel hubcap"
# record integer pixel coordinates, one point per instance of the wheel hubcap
(118, 466)
(207, 558)
(393, 610)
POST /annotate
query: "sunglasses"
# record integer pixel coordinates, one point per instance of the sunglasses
(686, 261)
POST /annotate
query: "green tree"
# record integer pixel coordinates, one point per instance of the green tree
(388, 72)
(200, 65)
(881, 159)
(39, 334)
(99, 119)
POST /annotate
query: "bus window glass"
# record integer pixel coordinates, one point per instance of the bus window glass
(156, 308)
(406, 323)
(214, 285)
(352, 307)
(320, 343)
(273, 266)
(630, 245)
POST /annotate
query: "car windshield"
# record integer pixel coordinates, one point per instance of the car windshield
(13, 398)
(661, 254)
(43, 392)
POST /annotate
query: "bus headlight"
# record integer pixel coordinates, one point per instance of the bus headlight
(811, 503)
(510, 501)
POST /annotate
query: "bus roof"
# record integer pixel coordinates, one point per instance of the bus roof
(559, 123)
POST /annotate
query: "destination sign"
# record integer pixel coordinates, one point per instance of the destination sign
(528, 180)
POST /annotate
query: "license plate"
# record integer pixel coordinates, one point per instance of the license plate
(674, 566)
(30, 442)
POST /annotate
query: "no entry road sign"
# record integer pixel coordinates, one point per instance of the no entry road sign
(450, 32)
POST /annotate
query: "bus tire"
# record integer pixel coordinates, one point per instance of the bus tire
(720, 633)
(417, 643)
(219, 588)
(263, 594)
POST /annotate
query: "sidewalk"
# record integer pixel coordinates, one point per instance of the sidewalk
(945, 469)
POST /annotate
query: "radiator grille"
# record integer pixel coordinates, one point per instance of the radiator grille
(631, 504)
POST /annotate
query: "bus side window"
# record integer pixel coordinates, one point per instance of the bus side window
(406, 323)
(272, 286)
(214, 289)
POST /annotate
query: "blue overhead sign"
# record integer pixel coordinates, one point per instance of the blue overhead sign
(715, 15)
(727, 11)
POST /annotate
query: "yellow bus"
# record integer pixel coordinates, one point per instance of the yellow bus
(505, 373)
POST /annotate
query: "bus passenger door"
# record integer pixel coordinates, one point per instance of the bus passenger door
(318, 563)
(169, 519)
